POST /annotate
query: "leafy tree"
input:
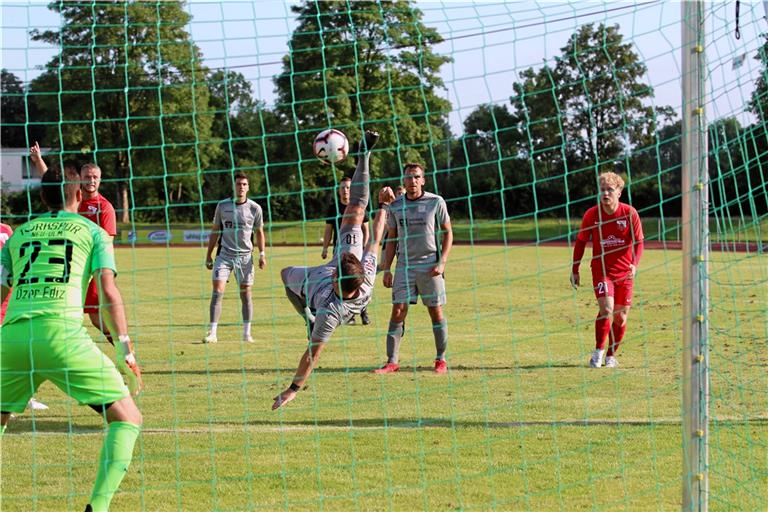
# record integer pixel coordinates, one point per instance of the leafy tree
(130, 89)
(251, 137)
(584, 115)
(364, 65)
(483, 163)
(12, 115)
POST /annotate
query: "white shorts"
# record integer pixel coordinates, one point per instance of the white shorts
(411, 283)
(242, 266)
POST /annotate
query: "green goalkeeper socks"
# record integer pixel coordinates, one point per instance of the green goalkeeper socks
(116, 454)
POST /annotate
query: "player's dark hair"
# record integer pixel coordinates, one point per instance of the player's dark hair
(59, 188)
(412, 165)
(351, 273)
(345, 178)
(240, 176)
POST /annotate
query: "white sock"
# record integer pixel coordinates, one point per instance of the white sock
(212, 328)
(246, 329)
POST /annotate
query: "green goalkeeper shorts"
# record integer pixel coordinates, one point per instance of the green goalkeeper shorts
(34, 351)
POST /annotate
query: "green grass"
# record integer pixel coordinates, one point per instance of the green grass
(520, 422)
(482, 230)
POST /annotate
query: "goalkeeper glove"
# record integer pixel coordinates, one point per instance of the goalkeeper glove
(128, 366)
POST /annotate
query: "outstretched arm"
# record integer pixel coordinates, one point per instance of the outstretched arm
(327, 239)
(386, 196)
(37, 159)
(306, 364)
(114, 318)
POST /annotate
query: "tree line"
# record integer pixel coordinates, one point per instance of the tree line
(169, 133)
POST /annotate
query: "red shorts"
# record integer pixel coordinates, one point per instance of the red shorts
(618, 288)
(4, 307)
(92, 298)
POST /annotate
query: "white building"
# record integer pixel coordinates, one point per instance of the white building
(16, 169)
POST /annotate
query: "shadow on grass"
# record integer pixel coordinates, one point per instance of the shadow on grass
(25, 425)
(405, 423)
(404, 370)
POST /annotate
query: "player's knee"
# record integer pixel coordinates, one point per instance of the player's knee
(399, 312)
(620, 317)
(605, 312)
(136, 417)
(436, 313)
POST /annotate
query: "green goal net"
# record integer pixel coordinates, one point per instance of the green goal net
(513, 110)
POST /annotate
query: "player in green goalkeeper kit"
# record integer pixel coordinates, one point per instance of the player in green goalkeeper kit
(48, 262)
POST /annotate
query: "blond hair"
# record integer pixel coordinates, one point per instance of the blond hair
(612, 179)
(88, 167)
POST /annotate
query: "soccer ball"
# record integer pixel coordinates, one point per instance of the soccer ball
(331, 146)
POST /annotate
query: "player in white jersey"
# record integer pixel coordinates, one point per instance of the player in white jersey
(236, 221)
(327, 295)
(416, 220)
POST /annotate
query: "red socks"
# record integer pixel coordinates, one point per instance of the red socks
(617, 334)
(602, 328)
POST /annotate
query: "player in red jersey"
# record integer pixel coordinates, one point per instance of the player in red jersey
(95, 208)
(617, 244)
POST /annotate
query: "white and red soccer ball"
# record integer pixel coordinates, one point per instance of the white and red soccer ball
(331, 146)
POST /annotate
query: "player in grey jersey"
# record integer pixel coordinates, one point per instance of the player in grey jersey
(235, 223)
(416, 220)
(327, 295)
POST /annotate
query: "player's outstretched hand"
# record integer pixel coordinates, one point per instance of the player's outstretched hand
(632, 271)
(283, 398)
(209, 263)
(128, 366)
(388, 279)
(34, 153)
(386, 196)
(438, 270)
(324, 254)
(575, 280)
(262, 261)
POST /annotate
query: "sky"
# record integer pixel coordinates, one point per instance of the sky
(490, 42)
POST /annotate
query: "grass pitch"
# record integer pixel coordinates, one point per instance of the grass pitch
(519, 423)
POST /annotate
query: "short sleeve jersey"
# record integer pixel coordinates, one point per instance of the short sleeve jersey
(100, 211)
(334, 216)
(418, 224)
(49, 261)
(236, 223)
(330, 309)
(613, 238)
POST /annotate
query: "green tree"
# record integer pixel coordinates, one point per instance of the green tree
(12, 115)
(364, 65)
(128, 86)
(251, 136)
(584, 115)
(483, 165)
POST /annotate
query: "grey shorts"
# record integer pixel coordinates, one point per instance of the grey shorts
(350, 240)
(242, 266)
(412, 283)
(297, 280)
